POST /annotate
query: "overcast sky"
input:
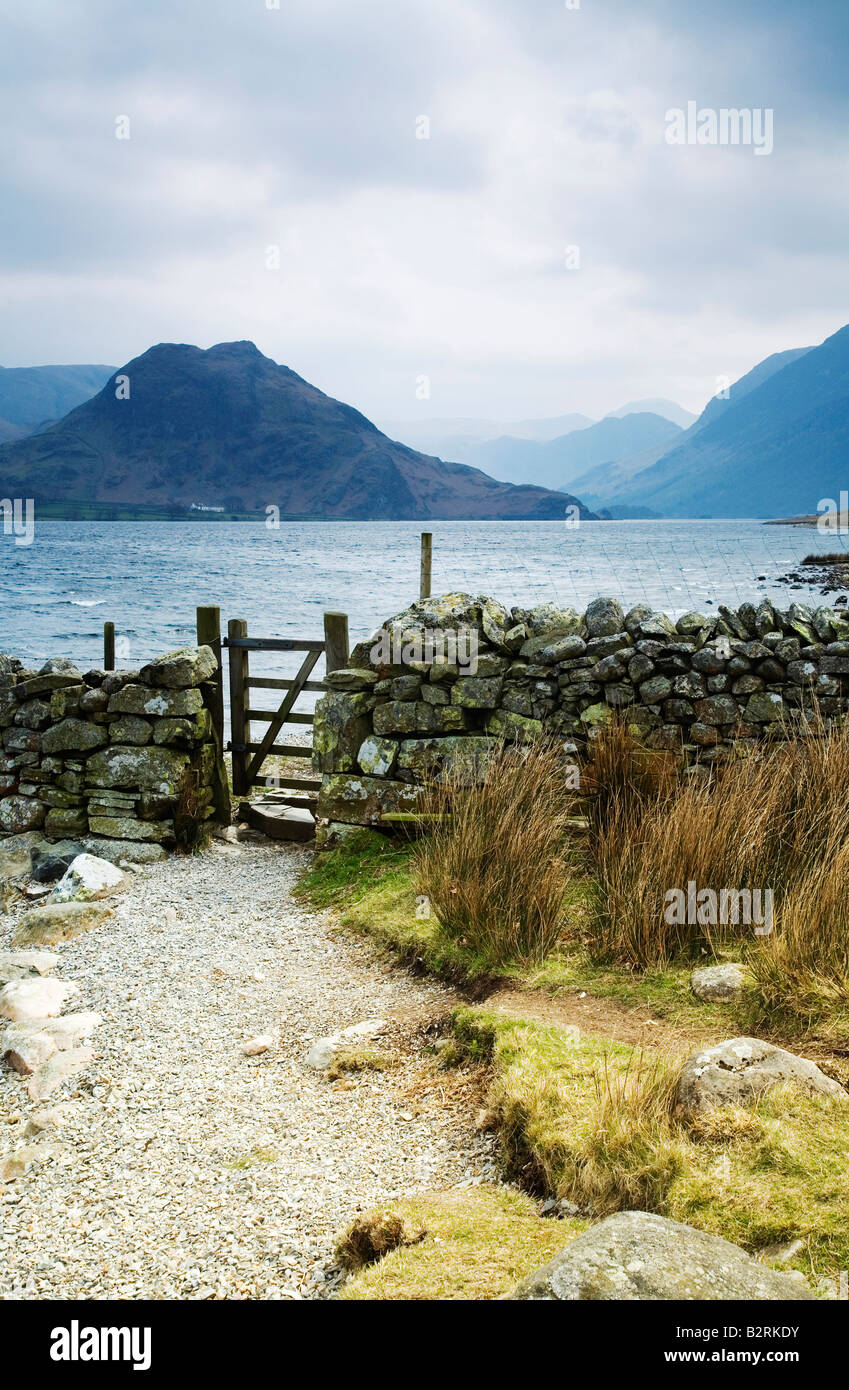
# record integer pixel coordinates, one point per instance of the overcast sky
(446, 258)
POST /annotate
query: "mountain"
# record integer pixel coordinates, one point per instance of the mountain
(460, 438)
(9, 431)
(29, 396)
(778, 445)
(668, 409)
(228, 427)
(556, 462)
(717, 405)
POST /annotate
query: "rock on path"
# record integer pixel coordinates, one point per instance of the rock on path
(182, 1168)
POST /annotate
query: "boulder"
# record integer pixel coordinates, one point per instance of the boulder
(462, 756)
(129, 828)
(604, 616)
(549, 621)
(16, 854)
(17, 1165)
(349, 678)
(120, 852)
(736, 1072)
(159, 702)
(476, 692)
(150, 769)
(73, 736)
(340, 724)
(62, 665)
(50, 861)
(513, 728)
(16, 965)
(21, 813)
(26, 1052)
(362, 800)
(61, 1067)
(69, 821)
(718, 983)
(130, 728)
(64, 1033)
(86, 879)
(55, 922)
(638, 1256)
(181, 668)
(496, 623)
(764, 708)
(322, 1051)
(36, 998)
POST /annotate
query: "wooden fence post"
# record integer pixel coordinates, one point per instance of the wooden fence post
(426, 566)
(208, 622)
(208, 627)
(109, 646)
(239, 659)
(335, 641)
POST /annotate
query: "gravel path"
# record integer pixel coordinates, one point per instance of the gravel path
(186, 1169)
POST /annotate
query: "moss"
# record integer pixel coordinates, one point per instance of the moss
(783, 1175)
(592, 1121)
(354, 1059)
(255, 1155)
(478, 1243)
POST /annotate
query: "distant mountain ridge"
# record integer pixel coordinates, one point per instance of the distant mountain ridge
(656, 406)
(229, 427)
(776, 447)
(32, 396)
(557, 462)
(497, 446)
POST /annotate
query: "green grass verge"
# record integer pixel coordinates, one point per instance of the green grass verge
(591, 1121)
(479, 1242)
(369, 880)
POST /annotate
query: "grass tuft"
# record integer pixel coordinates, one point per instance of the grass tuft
(494, 867)
(372, 1236)
(479, 1243)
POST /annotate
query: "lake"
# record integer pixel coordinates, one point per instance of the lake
(148, 577)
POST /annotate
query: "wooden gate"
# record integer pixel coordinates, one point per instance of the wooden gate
(245, 709)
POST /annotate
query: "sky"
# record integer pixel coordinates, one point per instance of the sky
(427, 208)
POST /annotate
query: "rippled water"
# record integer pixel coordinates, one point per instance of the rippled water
(148, 578)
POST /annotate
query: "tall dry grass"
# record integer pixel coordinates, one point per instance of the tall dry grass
(776, 820)
(623, 778)
(494, 864)
(801, 971)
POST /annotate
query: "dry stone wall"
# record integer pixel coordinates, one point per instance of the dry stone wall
(709, 684)
(103, 753)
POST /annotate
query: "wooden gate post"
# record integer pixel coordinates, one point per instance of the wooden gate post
(239, 659)
(209, 635)
(426, 566)
(109, 646)
(335, 641)
(208, 627)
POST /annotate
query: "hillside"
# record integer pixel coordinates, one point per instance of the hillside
(775, 448)
(29, 396)
(228, 427)
(670, 410)
(557, 462)
(460, 438)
